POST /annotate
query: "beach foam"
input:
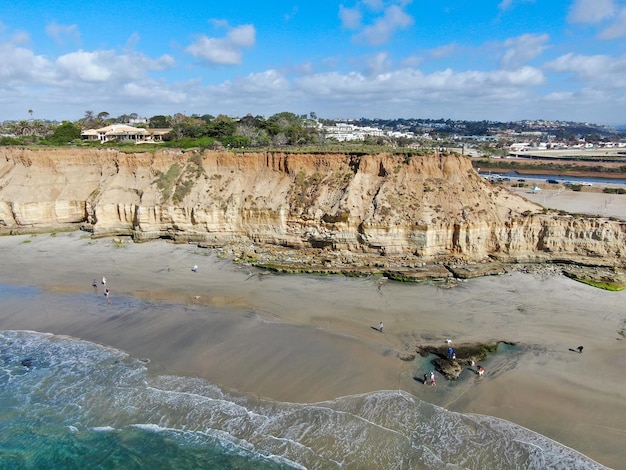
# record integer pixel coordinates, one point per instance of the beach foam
(86, 386)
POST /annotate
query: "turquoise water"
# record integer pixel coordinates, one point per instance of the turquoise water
(76, 404)
(67, 403)
(73, 404)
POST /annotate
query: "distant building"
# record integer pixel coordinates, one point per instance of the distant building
(124, 133)
(345, 132)
(519, 146)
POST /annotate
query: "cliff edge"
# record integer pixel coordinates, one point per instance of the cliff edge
(421, 208)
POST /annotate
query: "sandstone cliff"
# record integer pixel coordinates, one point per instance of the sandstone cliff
(426, 207)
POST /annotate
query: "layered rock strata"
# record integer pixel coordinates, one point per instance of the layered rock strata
(424, 208)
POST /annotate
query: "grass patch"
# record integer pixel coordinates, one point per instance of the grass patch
(166, 181)
(613, 287)
(614, 191)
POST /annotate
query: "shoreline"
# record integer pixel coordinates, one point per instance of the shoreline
(311, 338)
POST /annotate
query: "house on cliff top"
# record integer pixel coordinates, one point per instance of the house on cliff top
(124, 133)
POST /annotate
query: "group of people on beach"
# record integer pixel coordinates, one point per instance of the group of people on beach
(107, 292)
(430, 380)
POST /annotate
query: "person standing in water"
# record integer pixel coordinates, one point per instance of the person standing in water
(107, 293)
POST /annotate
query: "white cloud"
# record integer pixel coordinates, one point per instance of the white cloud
(20, 66)
(224, 51)
(617, 29)
(598, 69)
(508, 4)
(414, 83)
(443, 51)
(387, 17)
(151, 91)
(107, 65)
(378, 64)
(523, 48)
(413, 61)
(393, 19)
(350, 17)
(62, 34)
(590, 11)
(270, 81)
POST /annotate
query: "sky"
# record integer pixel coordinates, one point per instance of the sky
(477, 60)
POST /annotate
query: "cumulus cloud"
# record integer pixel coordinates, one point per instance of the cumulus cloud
(20, 66)
(350, 17)
(267, 82)
(386, 18)
(443, 51)
(393, 19)
(617, 29)
(610, 71)
(62, 34)
(227, 50)
(414, 83)
(523, 48)
(412, 61)
(265, 93)
(377, 64)
(590, 11)
(107, 65)
(151, 90)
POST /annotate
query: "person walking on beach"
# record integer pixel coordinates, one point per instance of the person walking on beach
(104, 281)
(425, 379)
(432, 379)
(380, 327)
(95, 285)
(106, 294)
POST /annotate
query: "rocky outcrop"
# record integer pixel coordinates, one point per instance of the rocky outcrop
(465, 356)
(420, 209)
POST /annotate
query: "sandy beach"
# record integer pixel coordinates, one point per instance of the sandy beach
(311, 338)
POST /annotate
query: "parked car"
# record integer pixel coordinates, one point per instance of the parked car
(521, 180)
(586, 183)
(552, 181)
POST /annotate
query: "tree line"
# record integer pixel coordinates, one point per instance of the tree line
(284, 128)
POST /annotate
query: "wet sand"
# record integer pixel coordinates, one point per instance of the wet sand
(308, 338)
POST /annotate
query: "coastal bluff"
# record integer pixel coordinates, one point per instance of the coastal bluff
(416, 209)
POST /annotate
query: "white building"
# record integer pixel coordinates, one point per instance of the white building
(124, 133)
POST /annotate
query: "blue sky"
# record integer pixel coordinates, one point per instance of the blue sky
(459, 59)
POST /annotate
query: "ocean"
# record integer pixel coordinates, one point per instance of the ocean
(72, 404)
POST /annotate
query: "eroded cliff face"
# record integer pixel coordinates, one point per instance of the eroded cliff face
(430, 207)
